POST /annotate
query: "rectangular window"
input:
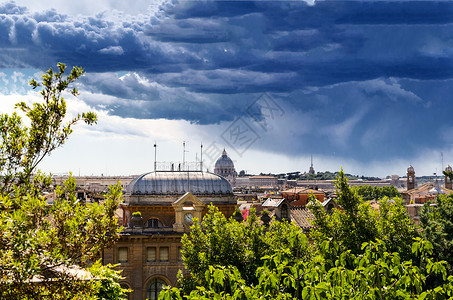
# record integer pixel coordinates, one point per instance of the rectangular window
(122, 254)
(163, 254)
(151, 254)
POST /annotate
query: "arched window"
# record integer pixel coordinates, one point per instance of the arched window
(154, 223)
(154, 287)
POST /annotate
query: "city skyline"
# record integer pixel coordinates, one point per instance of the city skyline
(357, 84)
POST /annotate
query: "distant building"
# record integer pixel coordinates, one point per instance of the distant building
(416, 197)
(299, 196)
(410, 178)
(263, 180)
(312, 169)
(424, 193)
(395, 181)
(279, 208)
(224, 167)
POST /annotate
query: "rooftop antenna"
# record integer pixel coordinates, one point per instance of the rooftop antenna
(183, 164)
(184, 154)
(155, 156)
(201, 160)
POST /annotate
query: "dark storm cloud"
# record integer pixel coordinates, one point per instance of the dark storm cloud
(321, 43)
(359, 70)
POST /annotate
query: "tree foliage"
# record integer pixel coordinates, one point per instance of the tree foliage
(375, 192)
(437, 224)
(43, 245)
(218, 241)
(330, 274)
(381, 257)
(357, 222)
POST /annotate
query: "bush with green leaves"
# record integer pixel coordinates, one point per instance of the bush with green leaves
(45, 248)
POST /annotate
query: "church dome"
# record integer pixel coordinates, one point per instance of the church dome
(224, 167)
(448, 168)
(224, 161)
(179, 182)
(410, 169)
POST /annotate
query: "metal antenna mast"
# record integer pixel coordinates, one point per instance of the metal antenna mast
(183, 154)
(201, 162)
(155, 157)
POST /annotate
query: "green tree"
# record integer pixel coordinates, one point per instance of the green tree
(334, 267)
(218, 241)
(330, 274)
(375, 192)
(352, 226)
(42, 244)
(357, 222)
(437, 224)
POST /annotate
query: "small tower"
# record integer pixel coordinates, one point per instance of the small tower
(311, 170)
(448, 183)
(410, 178)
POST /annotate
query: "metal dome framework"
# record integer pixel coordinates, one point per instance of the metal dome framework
(178, 183)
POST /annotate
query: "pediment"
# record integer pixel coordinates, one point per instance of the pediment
(188, 199)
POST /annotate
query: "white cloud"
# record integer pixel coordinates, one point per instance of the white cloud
(389, 88)
(18, 77)
(89, 7)
(112, 50)
(340, 133)
(4, 79)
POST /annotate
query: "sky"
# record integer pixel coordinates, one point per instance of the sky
(363, 85)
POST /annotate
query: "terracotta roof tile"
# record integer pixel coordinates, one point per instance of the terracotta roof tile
(303, 217)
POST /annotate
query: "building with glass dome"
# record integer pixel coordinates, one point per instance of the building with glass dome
(158, 208)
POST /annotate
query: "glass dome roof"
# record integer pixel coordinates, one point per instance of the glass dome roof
(179, 182)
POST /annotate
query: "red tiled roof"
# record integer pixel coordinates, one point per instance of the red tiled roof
(300, 190)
